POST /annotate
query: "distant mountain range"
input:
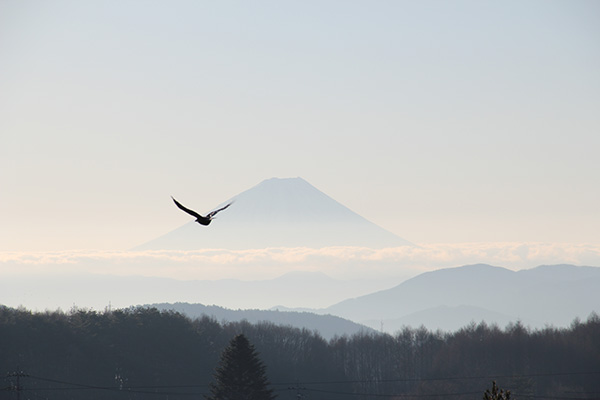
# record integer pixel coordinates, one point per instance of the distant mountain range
(328, 326)
(297, 289)
(278, 213)
(446, 299)
(451, 298)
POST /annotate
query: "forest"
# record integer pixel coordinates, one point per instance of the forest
(144, 353)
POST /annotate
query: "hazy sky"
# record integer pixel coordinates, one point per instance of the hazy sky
(441, 121)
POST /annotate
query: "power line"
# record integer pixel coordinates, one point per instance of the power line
(394, 394)
(18, 388)
(408, 380)
(131, 389)
(85, 386)
(532, 396)
(169, 389)
(443, 394)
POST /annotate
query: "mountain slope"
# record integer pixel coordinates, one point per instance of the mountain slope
(294, 289)
(279, 213)
(328, 326)
(547, 294)
(445, 318)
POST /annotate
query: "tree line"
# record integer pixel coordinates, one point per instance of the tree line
(144, 353)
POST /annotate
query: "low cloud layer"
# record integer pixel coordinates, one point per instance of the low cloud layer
(338, 262)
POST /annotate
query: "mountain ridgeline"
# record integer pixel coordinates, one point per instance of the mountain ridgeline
(328, 326)
(445, 299)
(278, 212)
(450, 298)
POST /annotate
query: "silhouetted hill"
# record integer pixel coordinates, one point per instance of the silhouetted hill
(543, 295)
(278, 213)
(328, 326)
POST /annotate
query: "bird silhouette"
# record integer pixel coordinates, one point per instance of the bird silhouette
(202, 220)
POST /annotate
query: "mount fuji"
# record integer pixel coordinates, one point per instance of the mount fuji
(279, 213)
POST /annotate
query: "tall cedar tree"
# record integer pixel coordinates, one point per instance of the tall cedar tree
(240, 374)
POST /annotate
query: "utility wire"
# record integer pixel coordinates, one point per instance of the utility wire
(115, 387)
(295, 386)
(441, 379)
(394, 394)
(444, 395)
(532, 396)
(123, 389)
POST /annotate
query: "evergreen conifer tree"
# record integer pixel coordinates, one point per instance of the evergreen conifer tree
(240, 374)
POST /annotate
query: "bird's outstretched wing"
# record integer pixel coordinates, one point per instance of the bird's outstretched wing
(187, 210)
(212, 213)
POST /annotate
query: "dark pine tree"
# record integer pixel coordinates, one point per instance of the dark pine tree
(240, 374)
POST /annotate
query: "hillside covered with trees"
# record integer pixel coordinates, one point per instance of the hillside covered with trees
(143, 353)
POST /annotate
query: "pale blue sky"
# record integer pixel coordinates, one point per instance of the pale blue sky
(441, 121)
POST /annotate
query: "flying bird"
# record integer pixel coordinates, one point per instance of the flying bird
(199, 218)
